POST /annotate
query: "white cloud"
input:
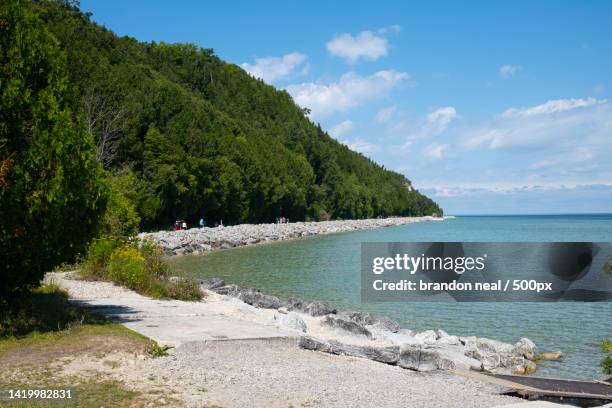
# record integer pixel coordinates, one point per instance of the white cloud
(436, 151)
(361, 146)
(366, 45)
(350, 91)
(553, 106)
(436, 122)
(385, 114)
(568, 123)
(271, 69)
(341, 128)
(506, 71)
(395, 28)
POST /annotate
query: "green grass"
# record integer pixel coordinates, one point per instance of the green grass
(42, 328)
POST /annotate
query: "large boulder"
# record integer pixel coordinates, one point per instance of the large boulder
(389, 355)
(292, 321)
(526, 348)
(427, 337)
(347, 325)
(254, 297)
(211, 283)
(428, 359)
(374, 322)
(320, 309)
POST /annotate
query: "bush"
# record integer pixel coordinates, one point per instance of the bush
(98, 256)
(138, 265)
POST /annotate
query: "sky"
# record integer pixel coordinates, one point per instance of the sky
(488, 107)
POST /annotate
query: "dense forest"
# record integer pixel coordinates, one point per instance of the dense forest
(183, 134)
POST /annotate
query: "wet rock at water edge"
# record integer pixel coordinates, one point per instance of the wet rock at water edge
(212, 283)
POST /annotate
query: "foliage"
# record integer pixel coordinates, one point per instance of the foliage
(606, 363)
(155, 350)
(138, 265)
(52, 191)
(199, 137)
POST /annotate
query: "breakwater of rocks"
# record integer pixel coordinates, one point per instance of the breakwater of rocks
(197, 240)
(321, 327)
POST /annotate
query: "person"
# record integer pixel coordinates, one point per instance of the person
(177, 225)
(184, 224)
(202, 223)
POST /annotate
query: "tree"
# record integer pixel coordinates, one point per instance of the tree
(51, 188)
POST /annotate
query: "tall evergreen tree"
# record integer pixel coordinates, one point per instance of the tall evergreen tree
(52, 191)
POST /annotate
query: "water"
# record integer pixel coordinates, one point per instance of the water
(328, 268)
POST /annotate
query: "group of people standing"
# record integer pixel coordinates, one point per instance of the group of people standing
(282, 220)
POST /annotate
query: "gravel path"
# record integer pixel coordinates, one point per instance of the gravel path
(275, 373)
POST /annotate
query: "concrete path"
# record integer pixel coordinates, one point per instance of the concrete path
(172, 321)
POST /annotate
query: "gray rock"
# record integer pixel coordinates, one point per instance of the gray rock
(429, 359)
(526, 348)
(428, 336)
(320, 309)
(229, 290)
(255, 298)
(291, 320)
(212, 283)
(389, 355)
(347, 325)
(295, 304)
(366, 319)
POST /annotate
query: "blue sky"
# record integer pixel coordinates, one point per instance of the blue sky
(488, 107)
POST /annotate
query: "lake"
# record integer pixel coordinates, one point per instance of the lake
(328, 268)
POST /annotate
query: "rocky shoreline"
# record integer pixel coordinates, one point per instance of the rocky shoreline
(321, 327)
(196, 240)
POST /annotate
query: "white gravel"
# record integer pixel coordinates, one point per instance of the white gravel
(275, 373)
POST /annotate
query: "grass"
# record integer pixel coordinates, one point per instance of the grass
(43, 328)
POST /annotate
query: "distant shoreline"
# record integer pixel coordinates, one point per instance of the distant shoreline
(198, 240)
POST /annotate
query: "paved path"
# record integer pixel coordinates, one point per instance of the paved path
(172, 321)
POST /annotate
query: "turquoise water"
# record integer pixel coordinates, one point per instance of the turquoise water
(328, 268)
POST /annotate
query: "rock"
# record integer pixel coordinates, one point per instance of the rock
(283, 310)
(526, 348)
(429, 359)
(489, 361)
(487, 345)
(523, 367)
(254, 297)
(449, 341)
(320, 309)
(347, 325)
(292, 321)
(295, 304)
(229, 290)
(549, 356)
(366, 319)
(212, 283)
(389, 355)
(428, 336)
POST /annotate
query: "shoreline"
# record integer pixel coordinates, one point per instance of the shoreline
(213, 336)
(205, 239)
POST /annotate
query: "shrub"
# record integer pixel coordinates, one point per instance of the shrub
(138, 265)
(98, 256)
(128, 267)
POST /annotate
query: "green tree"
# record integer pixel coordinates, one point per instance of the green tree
(51, 189)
